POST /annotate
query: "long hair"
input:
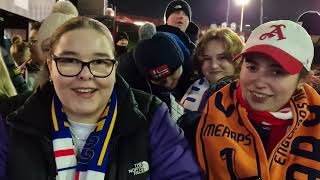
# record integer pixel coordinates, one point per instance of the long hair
(6, 86)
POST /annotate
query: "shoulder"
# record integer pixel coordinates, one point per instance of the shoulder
(147, 103)
(35, 112)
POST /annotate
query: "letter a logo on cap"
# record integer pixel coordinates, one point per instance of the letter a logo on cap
(277, 31)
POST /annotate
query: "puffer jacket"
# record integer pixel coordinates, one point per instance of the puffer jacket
(143, 133)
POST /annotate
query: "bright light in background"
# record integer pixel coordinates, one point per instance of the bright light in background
(110, 12)
(139, 23)
(242, 2)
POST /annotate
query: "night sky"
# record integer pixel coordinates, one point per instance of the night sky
(206, 12)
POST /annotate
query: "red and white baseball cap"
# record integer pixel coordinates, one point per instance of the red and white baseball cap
(287, 42)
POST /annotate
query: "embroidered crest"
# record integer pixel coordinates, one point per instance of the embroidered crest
(178, 7)
(277, 31)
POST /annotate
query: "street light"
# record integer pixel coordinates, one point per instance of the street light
(228, 12)
(242, 3)
(261, 12)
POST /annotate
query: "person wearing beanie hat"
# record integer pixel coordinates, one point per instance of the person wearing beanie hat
(310, 20)
(156, 66)
(158, 58)
(260, 126)
(121, 41)
(193, 31)
(61, 12)
(178, 14)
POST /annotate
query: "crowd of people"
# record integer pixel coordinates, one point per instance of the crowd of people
(77, 103)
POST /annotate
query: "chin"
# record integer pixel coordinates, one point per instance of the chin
(262, 108)
(84, 109)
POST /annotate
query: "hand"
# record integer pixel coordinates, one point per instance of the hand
(22, 68)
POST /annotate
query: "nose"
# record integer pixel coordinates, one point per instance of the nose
(214, 64)
(260, 80)
(85, 74)
(171, 83)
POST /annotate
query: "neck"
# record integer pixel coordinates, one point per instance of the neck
(90, 118)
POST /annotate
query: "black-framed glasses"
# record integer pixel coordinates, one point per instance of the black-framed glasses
(71, 67)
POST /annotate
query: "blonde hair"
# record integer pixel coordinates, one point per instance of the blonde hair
(79, 23)
(19, 50)
(6, 86)
(232, 41)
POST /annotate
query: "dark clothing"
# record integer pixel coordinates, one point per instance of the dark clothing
(130, 73)
(182, 36)
(316, 57)
(185, 79)
(16, 77)
(10, 104)
(193, 31)
(3, 150)
(120, 50)
(143, 132)
(128, 70)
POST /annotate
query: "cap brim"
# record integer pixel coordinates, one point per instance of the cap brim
(287, 62)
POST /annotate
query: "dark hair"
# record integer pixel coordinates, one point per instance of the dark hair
(35, 25)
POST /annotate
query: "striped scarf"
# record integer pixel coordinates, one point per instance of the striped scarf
(93, 159)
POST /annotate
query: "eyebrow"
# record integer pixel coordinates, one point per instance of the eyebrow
(66, 53)
(72, 53)
(248, 60)
(220, 54)
(275, 65)
(101, 54)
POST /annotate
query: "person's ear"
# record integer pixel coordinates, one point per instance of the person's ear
(305, 79)
(116, 65)
(49, 64)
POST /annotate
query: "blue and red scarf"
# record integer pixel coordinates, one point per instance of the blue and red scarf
(93, 159)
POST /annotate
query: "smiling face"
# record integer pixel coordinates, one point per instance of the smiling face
(216, 63)
(178, 19)
(83, 96)
(265, 85)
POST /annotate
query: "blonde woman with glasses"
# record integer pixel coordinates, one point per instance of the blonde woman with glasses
(87, 123)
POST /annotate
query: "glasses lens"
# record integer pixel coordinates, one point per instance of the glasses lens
(69, 66)
(101, 67)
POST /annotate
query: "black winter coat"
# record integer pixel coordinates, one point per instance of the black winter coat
(29, 126)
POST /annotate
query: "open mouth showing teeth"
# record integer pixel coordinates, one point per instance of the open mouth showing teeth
(258, 95)
(90, 90)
